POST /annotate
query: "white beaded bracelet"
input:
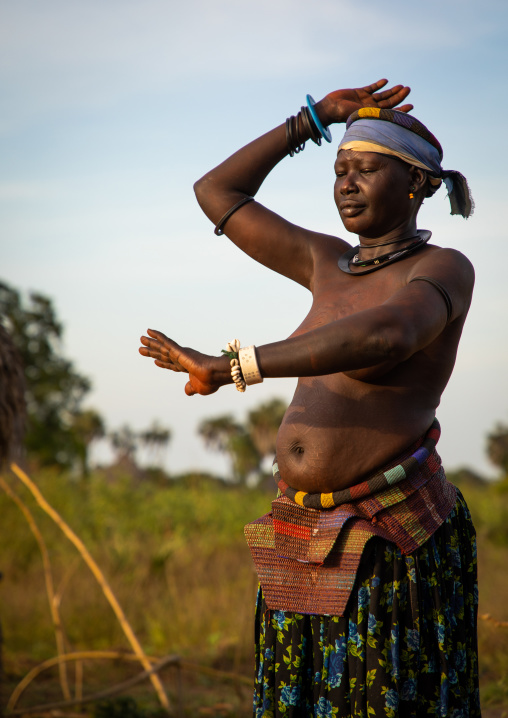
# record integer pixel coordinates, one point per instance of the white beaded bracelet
(233, 347)
(249, 365)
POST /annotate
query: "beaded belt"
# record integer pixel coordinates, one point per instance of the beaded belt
(308, 548)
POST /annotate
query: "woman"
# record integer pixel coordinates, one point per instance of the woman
(367, 563)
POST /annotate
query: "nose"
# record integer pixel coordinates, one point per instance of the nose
(347, 184)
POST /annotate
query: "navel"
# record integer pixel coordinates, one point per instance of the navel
(297, 449)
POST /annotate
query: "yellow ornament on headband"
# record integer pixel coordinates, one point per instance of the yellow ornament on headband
(369, 112)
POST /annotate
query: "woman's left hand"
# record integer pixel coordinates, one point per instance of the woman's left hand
(338, 105)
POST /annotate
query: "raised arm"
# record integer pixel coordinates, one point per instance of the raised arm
(262, 234)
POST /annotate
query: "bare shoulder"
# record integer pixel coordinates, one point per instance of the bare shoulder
(449, 257)
(450, 270)
(447, 264)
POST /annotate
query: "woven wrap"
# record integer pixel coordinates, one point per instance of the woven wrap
(307, 559)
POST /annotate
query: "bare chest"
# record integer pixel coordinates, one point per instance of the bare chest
(337, 295)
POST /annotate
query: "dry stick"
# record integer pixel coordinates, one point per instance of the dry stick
(108, 593)
(50, 662)
(79, 656)
(119, 688)
(488, 617)
(48, 578)
(78, 690)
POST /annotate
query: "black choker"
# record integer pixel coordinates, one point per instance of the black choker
(385, 244)
(379, 262)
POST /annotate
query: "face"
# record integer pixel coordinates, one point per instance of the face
(372, 193)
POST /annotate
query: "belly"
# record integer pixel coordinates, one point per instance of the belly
(337, 431)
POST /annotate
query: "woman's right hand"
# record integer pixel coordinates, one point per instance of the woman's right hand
(206, 373)
(338, 105)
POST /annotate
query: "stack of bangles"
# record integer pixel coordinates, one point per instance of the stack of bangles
(307, 119)
(244, 365)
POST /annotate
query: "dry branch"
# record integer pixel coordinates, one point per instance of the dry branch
(106, 693)
(53, 599)
(488, 617)
(99, 576)
(80, 656)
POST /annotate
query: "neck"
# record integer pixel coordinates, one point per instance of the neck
(350, 263)
(371, 247)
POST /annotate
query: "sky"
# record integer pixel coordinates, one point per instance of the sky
(110, 110)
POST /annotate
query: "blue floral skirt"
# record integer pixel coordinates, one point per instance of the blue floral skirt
(405, 647)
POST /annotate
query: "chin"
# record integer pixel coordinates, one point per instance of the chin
(356, 225)
(363, 227)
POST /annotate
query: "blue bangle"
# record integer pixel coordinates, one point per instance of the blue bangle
(324, 130)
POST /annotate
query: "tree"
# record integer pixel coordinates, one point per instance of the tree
(464, 476)
(226, 435)
(155, 439)
(246, 444)
(54, 389)
(88, 427)
(126, 442)
(497, 447)
(12, 399)
(217, 433)
(263, 425)
(245, 458)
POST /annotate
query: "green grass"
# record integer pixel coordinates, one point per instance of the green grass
(178, 563)
(175, 557)
(488, 504)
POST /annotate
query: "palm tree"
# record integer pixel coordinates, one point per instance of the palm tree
(497, 447)
(125, 443)
(155, 438)
(216, 433)
(226, 435)
(87, 427)
(263, 425)
(245, 458)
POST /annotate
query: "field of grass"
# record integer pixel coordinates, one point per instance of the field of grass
(176, 560)
(489, 509)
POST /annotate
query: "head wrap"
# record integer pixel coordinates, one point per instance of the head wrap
(400, 135)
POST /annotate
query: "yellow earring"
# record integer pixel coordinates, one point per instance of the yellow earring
(411, 195)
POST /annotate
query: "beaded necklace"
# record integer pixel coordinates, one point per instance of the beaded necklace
(351, 256)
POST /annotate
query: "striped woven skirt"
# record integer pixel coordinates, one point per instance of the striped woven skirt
(405, 647)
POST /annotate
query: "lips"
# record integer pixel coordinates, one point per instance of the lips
(350, 208)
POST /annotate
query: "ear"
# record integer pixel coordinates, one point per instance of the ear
(417, 178)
